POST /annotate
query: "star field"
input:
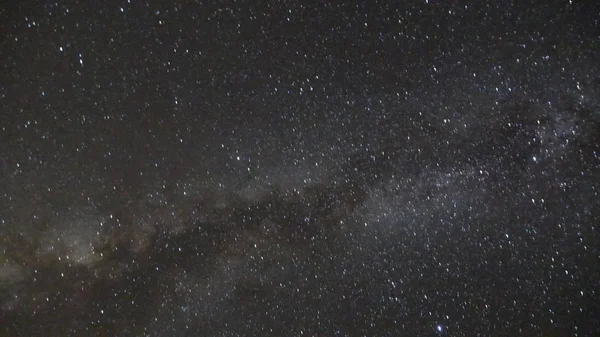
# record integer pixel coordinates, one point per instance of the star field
(294, 168)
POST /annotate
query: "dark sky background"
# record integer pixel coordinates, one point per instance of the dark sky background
(299, 168)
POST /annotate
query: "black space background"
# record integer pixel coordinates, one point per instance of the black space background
(299, 168)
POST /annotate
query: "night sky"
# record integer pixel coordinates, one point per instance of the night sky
(300, 168)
